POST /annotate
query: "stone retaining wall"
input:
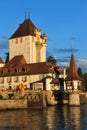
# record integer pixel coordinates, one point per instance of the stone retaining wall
(24, 99)
(13, 104)
(83, 97)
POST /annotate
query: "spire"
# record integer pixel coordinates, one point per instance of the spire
(28, 14)
(72, 74)
(25, 15)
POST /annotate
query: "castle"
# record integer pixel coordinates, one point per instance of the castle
(27, 63)
(27, 60)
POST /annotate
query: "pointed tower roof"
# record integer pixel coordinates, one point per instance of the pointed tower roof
(26, 28)
(72, 74)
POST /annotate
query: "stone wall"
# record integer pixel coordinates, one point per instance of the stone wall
(13, 104)
(36, 99)
(83, 97)
(23, 99)
(74, 99)
(50, 98)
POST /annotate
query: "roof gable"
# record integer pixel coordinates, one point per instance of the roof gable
(16, 62)
(26, 28)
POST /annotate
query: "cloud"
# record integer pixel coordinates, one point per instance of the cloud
(79, 63)
(3, 43)
(3, 47)
(3, 37)
(66, 50)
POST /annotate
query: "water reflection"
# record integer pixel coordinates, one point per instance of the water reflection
(51, 118)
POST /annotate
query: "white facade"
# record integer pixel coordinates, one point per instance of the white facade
(26, 80)
(32, 48)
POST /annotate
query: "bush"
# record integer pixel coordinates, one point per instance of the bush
(22, 97)
(10, 95)
(65, 95)
(1, 97)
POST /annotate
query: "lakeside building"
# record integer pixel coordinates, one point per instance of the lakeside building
(73, 81)
(27, 60)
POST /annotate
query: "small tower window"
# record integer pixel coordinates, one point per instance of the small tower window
(16, 40)
(21, 39)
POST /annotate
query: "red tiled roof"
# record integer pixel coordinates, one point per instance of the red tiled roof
(16, 62)
(54, 81)
(26, 28)
(72, 74)
(18, 66)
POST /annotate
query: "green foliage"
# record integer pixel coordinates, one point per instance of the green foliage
(64, 95)
(80, 72)
(38, 94)
(51, 59)
(85, 81)
(10, 95)
(1, 97)
(7, 57)
(22, 97)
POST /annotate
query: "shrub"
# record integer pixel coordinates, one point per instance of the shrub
(10, 95)
(22, 97)
(1, 97)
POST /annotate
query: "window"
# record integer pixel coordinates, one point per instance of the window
(24, 69)
(2, 71)
(24, 78)
(16, 70)
(16, 40)
(15, 79)
(9, 79)
(21, 39)
(1, 80)
(9, 71)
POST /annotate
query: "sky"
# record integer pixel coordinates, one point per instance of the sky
(63, 21)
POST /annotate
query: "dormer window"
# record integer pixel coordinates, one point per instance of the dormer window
(24, 69)
(16, 70)
(2, 71)
(9, 71)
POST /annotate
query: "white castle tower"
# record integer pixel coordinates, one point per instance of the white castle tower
(29, 42)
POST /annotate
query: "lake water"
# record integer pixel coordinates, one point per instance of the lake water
(51, 118)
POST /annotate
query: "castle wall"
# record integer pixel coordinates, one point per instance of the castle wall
(27, 46)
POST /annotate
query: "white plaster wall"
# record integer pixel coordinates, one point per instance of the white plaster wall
(48, 85)
(20, 48)
(1, 64)
(75, 83)
(43, 53)
(27, 48)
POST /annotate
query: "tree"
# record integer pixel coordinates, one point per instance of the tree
(80, 72)
(51, 59)
(85, 81)
(7, 57)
